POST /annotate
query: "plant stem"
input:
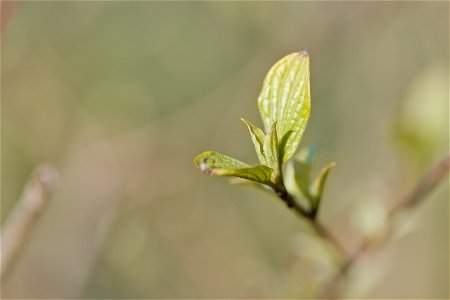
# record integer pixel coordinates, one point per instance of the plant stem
(431, 179)
(425, 185)
(311, 216)
(20, 223)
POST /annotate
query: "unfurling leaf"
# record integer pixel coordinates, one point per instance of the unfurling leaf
(319, 183)
(284, 104)
(285, 98)
(302, 173)
(272, 151)
(271, 147)
(258, 139)
(217, 164)
(311, 190)
(210, 160)
(302, 170)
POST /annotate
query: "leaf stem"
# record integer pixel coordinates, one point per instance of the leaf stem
(311, 216)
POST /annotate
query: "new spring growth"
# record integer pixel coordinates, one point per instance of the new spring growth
(284, 105)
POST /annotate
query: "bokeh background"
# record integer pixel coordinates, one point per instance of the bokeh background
(120, 96)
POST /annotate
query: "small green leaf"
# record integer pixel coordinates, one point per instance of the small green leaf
(302, 173)
(319, 183)
(212, 160)
(217, 164)
(273, 154)
(258, 139)
(302, 170)
(285, 98)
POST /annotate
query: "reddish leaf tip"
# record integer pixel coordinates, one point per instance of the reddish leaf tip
(303, 53)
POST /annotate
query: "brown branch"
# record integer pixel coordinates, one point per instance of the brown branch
(311, 216)
(431, 179)
(424, 186)
(19, 225)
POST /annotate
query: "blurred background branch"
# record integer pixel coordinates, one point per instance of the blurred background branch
(19, 225)
(434, 176)
(418, 194)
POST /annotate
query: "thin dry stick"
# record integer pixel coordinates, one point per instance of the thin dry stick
(431, 179)
(19, 225)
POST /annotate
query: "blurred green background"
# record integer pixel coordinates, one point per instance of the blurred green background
(120, 97)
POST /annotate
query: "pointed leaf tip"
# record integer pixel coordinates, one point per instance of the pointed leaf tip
(303, 53)
(319, 183)
(258, 138)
